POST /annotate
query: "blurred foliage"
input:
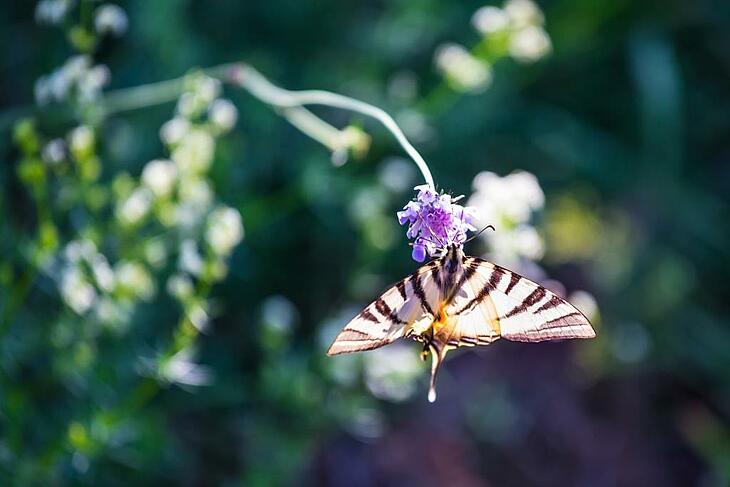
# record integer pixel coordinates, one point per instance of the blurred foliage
(201, 362)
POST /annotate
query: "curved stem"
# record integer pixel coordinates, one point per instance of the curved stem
(250, 79)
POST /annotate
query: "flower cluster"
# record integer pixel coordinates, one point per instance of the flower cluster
(76, 78)
(515, 30)
(509, 202)
(464, 71)
(436, 222)
(520, 22)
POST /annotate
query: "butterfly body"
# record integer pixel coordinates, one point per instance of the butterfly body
(461, 301)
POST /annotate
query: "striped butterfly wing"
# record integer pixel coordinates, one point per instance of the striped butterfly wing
(411, 301)
(513, 307)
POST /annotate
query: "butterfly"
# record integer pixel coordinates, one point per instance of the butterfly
(461, 301)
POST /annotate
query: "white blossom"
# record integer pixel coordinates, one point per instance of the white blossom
(111, 19)
(52, 12)
(523, 13)
(102, 271)
(197, 192)
(76, 75)
(529, 44)
(508, 203)
(78, 293)
(78, 250)
(508, 245)
(190, 259)
(174, 130)
(223, 114)
(198, 317)
(159, 176)
(225, 230)
(91, 82)
(465, 71)
(208, 89)
(194, 153)
(187, 104)
(202, 90)
(135, 207)
(488, 20)
(181, 369)
(513, 197)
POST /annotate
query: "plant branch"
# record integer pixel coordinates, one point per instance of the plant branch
(255, 83)
(244, 76)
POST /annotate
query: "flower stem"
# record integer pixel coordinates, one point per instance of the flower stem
(255, 83)
(244, 76)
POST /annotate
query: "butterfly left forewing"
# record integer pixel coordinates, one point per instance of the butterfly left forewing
(410, 303)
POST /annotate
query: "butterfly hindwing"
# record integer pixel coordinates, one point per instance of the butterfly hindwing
(414, 299)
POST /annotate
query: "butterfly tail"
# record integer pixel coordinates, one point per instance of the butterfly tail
(437, 357)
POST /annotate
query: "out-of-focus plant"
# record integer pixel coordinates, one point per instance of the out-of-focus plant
(104, 246)
(112, 242)
(515, 30)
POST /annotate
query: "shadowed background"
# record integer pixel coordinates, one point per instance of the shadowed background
(625, 125)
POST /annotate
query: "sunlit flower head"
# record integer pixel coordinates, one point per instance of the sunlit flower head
(224, 230)
(464, 71)
(159, 176)
(436, 222)
(490, 19)
(530, 44)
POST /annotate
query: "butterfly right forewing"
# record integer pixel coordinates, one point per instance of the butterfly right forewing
(525, 310)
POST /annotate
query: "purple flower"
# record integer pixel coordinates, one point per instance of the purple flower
(436, 222)
(419, 253)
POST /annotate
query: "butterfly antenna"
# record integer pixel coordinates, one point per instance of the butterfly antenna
(479, 233)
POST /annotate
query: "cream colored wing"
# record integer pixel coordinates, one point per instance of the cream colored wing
(475, 316)
(413, 300)
(514, 307)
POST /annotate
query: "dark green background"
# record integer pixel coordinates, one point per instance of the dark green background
(628, 120)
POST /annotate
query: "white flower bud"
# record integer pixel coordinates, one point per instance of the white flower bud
(159, 176)
(195, 152)
(223, 114)
(135, 207)
(174, 130)
(529, 44)
(76, 290)
(111, 19)
(463, 70)
(190, 260)
(225, 230)
(488, 20)
(523, 13)
(208, 89)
